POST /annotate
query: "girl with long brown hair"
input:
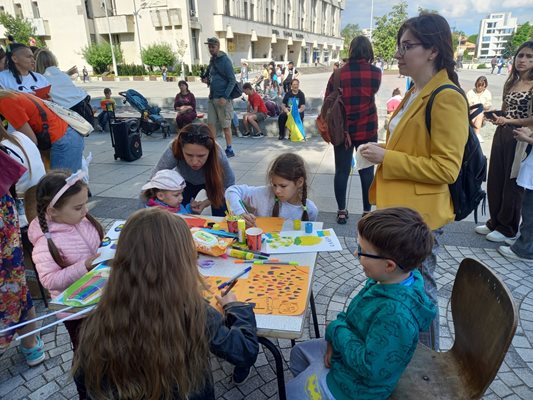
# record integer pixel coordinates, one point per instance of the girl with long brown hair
(200, 160)
(152, 332)
(503, 194)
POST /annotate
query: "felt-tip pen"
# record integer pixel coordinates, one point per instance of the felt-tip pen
(229, 282)
(276, 263)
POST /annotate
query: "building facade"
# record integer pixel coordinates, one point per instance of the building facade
(303, 31)
(494, 31)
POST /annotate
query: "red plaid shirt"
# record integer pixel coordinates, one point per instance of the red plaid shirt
(359, 82)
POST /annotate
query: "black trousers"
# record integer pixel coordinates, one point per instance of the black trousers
(282, 121)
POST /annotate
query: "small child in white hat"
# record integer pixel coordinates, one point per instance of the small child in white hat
(165, 190)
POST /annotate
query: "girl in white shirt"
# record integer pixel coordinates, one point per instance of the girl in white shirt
(479, 95)
(285, 197)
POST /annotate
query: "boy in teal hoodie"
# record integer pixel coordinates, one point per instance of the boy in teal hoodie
(368, 347)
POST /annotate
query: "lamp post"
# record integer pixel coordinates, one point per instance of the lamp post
(115, 70)
(136, 14)
(371, 17)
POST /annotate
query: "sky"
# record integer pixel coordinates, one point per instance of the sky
(463, 15)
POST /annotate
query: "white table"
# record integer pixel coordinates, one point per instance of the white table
(274, 326)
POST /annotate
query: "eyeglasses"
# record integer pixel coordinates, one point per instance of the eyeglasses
(374, 256)
(402, 49)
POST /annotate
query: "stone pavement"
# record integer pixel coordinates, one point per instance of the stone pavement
(338, 277)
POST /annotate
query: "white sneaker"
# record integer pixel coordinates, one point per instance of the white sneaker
(482, 230)
(507, 252)
(497, 237)
(510, 242)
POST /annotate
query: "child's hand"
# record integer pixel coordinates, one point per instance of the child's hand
(89, 262)
(223, 300)
(198, 206)
(249, 219)
(522, 134)
(327, 356)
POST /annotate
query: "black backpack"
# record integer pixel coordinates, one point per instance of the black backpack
(466, 191)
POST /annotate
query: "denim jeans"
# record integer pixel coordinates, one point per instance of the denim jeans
(67, 152)
(523, 246)
(307, 366)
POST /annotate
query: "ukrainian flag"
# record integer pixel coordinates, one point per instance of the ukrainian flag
(294, 122)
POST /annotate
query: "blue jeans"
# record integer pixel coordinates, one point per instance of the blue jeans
(307, 366)
(67, 152)
(103, 119)
(523, 246)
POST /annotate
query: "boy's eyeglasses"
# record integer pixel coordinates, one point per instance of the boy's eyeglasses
(374, 256)
(402, 49)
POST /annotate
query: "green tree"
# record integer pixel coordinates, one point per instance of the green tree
(157, 55)
(99, 56)
(473, 38)
(422, 10)
(384, 34)
(20, 28)
(523, 33)
(348, 33)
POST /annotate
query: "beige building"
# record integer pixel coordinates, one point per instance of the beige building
(304, 31)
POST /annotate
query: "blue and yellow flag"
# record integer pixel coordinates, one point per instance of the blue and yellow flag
(294, 122)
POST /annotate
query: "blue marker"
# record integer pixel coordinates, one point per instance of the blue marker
(224, 284)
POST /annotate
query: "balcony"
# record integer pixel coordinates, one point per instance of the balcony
(41, 26)
(119, 24)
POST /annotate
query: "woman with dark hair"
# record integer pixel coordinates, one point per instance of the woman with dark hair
(185, 105)
(416, 166)
(360, 81)
(479, 100)
(201, 162)
(19, 75)
(504, 195)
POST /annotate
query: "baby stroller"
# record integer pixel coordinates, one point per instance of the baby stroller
(150, 120)
(257, 83)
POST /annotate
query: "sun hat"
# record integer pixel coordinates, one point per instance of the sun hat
(166, 179)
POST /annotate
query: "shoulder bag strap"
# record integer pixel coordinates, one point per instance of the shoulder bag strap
(432, 97)
(42, 113)
(336, 79)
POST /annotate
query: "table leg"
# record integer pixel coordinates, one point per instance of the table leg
(279, 366)
(313, 314)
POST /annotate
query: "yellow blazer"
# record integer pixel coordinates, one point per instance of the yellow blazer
(417, 167)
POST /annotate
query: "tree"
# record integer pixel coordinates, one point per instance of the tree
(473, 38)
(384, 35)
(99, 56)
(457, 38)
(20, 28)
(422, 10)
(157, 55)
(349, 32)
(523, 33)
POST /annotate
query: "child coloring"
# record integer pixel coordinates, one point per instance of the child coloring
(368, 346)
(64, 235)
(152, 332)
(285, 197)
(165, 190)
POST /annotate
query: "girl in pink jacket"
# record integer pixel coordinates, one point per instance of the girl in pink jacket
(65, 237)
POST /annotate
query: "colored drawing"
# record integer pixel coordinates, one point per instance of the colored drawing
(275, 289)
(193, 221)
(87, 290)
(300, 242)
(114, 232)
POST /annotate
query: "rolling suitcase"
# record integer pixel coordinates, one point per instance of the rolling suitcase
(126, 139)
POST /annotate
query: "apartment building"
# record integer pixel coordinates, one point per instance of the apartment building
(494, 31)
(303, 31)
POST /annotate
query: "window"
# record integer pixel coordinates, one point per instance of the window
(35, 9)
(88, 9)
(192, 8)
(252, 12)
(245, 10)
(18, 10)
(227, 10)
(194, 48)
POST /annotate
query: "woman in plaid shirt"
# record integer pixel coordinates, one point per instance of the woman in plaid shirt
(360, 82)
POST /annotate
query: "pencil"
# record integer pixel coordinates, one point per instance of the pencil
(276, 262)
(243, 206)
(232, 284)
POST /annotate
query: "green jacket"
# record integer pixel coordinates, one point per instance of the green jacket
(374, 340)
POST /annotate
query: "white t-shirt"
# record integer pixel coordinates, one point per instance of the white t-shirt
(34, 160)
(393, 123)
(525, 175)
(259, 200)
(63, 90)
(484, 98)
(28, 84)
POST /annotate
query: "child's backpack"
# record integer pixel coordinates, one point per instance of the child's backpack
(466, 191)
(330, 122)
(272, 108)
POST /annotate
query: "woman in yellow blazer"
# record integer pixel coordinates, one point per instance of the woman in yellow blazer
(415, 168)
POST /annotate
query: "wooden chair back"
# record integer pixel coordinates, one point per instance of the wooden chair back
(485, 320)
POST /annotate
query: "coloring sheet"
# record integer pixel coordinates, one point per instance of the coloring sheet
(287, 242)
(108, 247)
(275, 289)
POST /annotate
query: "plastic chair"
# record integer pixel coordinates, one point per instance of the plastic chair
(485, 319)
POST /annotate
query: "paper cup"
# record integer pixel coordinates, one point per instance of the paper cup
(253, 238)
(233, 226)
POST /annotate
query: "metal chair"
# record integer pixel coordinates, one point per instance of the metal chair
(485, 319)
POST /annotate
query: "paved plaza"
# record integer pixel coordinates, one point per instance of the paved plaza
(115, 186)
